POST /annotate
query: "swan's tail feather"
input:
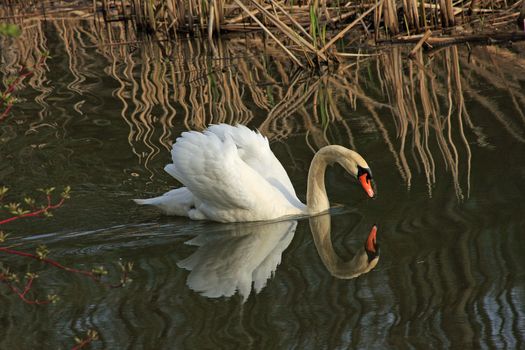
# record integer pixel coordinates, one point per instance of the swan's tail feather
(170, 169)
(175, 202)
(145, 201)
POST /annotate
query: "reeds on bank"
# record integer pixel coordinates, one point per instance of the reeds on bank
(308, 17)
(312, 28)
(310, 32)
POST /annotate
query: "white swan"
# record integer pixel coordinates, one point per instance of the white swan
(230, 174)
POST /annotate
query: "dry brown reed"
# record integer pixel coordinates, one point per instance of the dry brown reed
(308, 32)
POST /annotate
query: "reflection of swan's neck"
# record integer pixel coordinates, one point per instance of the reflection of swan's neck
(316, 198)
(359, 264)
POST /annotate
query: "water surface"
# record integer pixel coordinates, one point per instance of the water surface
(444, 136)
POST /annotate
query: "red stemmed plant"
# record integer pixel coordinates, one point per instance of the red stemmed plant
(6, 97)
(16, 212)
(81, 343)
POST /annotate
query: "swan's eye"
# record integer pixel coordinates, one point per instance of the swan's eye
(364, 171)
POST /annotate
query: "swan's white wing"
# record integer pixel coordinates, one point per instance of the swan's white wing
(224, 186)
(254, 150)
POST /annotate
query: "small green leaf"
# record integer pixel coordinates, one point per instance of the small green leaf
(47, 191)
(100, 271)
(3, 190)
(93, 334)
(10, 29)
(20, 212)
(31, 275)
(126, 267)
(29, 201)
(13, 208)
(66, 193)
(53, 298)
(3, 236)
(9, 276)
(42, 252)
(10, 81)
(45, 54)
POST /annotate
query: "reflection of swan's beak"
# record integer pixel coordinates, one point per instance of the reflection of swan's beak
(365, 181)
(371, 246)
(364, 260)
(371, 241)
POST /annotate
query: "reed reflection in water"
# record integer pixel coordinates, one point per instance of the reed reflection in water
(314, 105)
(229, 82)
(444, 133)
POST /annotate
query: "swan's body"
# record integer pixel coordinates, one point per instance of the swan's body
(230, 174)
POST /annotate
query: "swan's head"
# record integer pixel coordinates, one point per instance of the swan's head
(355, 164)
(372, 247)
(351, 161)
(364, 176)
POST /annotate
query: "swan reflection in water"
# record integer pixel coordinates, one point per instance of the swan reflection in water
(231, 261)
(364, 260)
(247, 255)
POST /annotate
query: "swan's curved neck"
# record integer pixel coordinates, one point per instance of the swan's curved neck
(316, 198)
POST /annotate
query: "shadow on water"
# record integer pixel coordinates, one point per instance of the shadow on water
(444, 135)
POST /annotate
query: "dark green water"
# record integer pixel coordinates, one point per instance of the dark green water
(444, 139)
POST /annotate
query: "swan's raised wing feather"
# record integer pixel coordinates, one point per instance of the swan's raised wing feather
(210, 167)
(254, 150)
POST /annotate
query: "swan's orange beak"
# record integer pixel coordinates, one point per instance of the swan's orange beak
(365, 181)
(371, 240)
